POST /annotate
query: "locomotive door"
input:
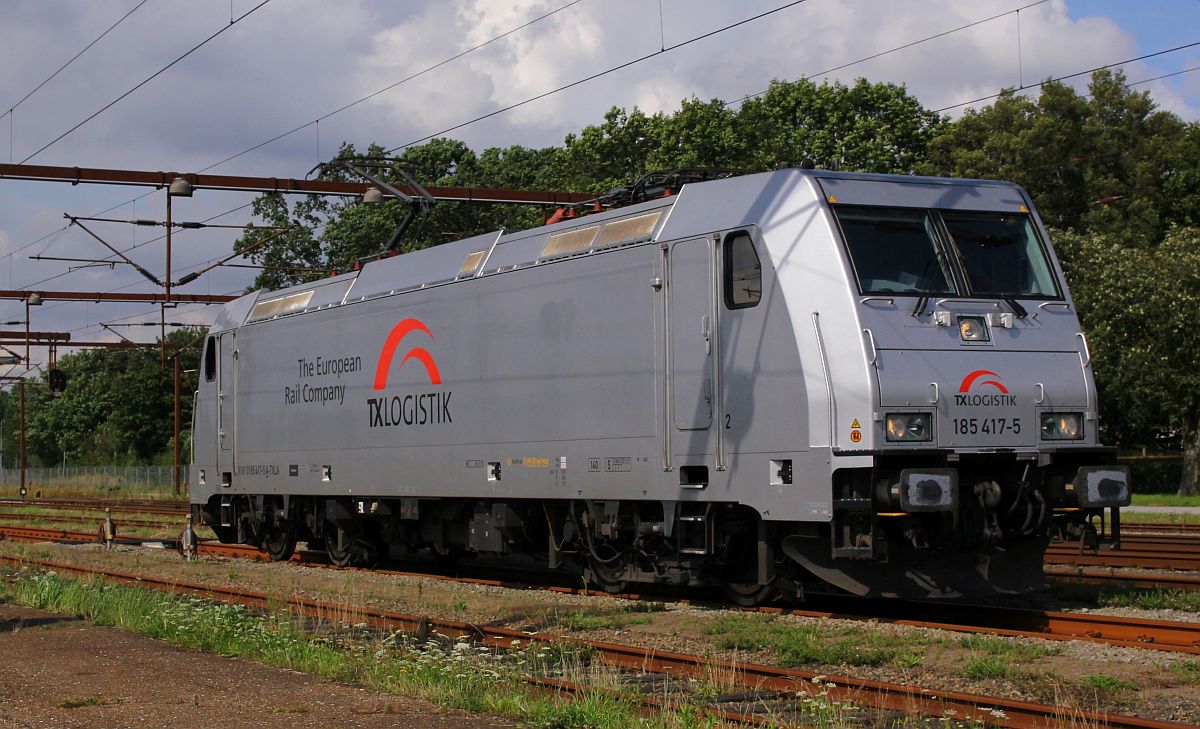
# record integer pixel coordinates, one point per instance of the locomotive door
(226, 416)
(690, 326)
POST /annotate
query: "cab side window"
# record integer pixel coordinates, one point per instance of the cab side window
(743, 272)
(210, 360)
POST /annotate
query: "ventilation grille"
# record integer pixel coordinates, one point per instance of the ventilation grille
(571, 241)
(619, 231)
(280, 306)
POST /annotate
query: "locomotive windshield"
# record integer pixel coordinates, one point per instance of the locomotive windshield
(929, 252)
(894, 250)
(1000, 254)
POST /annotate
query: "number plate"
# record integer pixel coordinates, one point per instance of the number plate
(987, 426)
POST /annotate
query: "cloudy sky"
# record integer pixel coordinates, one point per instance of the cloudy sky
(285, 64)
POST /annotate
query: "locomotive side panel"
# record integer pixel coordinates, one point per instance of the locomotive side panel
(416, 394)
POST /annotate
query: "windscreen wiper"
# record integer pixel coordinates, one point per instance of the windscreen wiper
(1017, 308)
(919, 309)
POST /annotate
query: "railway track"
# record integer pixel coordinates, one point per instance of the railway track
(1125, 632)
(1164, 552)
(125, 506)
(75, 519)
(769, 691)
(1143, 527)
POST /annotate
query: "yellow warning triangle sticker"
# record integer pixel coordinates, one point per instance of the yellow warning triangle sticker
(855, 424)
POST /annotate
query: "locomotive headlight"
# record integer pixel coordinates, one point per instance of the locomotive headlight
(1062, 426)
(972, 329)
(909, 427)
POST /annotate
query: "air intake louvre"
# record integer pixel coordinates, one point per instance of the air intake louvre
(280, 306)
(471, 264)
(572, 241)
(629, 229)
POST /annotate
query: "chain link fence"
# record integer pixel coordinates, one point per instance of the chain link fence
(131, 477)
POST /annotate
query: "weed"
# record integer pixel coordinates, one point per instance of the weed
(1007, 648)
(454, 674)
(459, 607)
(1108, 684)
(1188, 670)
(814, 642)
(80, 703)
(987, 666)
(1185, 600)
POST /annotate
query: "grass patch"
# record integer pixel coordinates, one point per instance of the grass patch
(1135, 517)
(81, 703)
(92, 487)
(1006, 648)
(454, 675)
(994, 658)
(1108, 684)
(1164, 500)
(816, 642)
(635, 614)
(1156, 599)
(1188, 670)
(981, 667)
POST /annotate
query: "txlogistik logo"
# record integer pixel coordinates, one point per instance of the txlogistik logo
(410, 409)
(966, 398)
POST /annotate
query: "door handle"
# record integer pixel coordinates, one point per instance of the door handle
(706, 332)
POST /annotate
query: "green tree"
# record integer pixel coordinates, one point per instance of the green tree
(867, 127)
(335, 233)
(1109, 162)
(1138, 307)
(118, 405)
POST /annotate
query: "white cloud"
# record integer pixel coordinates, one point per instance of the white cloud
(295, 60)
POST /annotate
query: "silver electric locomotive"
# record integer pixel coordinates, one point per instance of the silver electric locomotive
(797, 377)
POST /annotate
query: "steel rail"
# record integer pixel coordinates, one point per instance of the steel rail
(135, 507)
(877, 694)
(74, 519)
(1127, 632)
(1141, 527)
(1127, 578)
(1124, 558)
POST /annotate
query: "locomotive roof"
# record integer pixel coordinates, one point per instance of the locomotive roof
(497, 251)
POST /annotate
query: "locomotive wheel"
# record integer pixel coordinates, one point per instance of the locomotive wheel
(279, 541)
(606, 572)
(749, 594)
(339, 545)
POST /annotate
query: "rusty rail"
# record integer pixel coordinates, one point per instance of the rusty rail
(877, 694)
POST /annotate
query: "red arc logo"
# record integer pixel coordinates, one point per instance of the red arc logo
(420, 354)
(970, 379)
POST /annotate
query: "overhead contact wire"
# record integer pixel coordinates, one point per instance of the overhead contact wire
(1078, 73)
(599, 74)
(63, 67)
(404, 80)
(145, 81)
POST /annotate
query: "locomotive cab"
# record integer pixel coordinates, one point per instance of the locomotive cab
(982, 429)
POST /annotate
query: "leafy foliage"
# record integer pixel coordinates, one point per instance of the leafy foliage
(866, 127)
(1138, 306)
(118, 407)
(1111, 162)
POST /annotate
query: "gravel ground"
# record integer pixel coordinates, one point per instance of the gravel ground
(1160, 692)
(61, 672)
